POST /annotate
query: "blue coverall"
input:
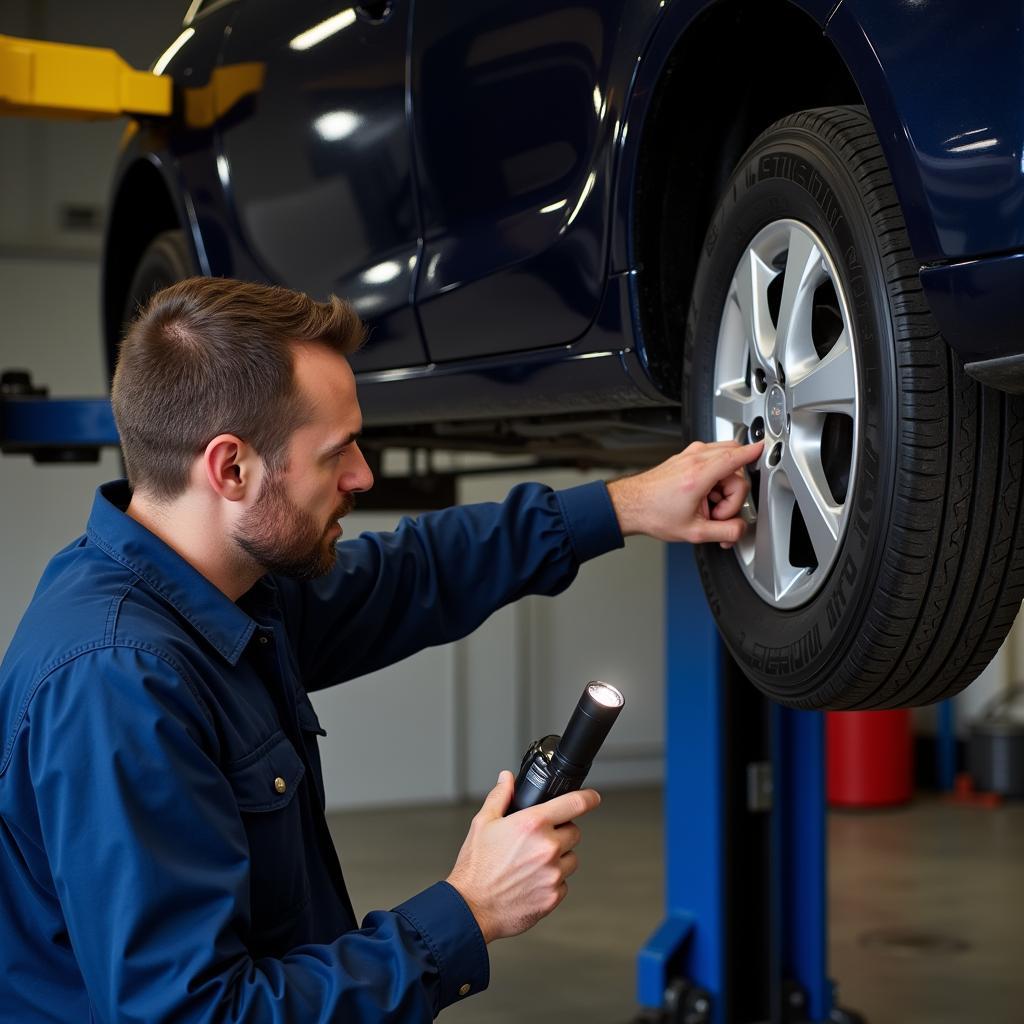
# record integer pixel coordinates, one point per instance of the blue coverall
(164, 854)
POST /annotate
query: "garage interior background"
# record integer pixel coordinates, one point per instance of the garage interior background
(467, 709)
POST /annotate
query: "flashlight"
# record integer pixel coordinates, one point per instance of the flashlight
(558, 764)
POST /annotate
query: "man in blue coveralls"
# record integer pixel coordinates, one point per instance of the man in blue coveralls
(164, 854)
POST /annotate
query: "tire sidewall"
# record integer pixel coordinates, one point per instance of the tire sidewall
(166, 260)
(792, 173)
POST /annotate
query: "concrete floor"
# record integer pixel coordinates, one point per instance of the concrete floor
(946, 882)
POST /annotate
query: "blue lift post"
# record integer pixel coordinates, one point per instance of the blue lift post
(744, 937)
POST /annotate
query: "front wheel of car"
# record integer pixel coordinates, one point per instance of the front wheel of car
(884, 565)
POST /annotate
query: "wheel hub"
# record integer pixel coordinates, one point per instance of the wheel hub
(775, 410)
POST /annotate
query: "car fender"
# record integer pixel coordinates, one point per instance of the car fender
(669, 23)
(956, 163)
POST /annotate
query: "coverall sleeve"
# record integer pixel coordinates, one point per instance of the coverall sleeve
(439, 576)
(149, 861)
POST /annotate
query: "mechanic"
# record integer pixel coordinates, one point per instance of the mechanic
(164, 853)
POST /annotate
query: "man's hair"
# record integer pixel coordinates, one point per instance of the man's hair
(211, 356)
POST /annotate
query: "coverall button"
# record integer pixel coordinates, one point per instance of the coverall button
(464, 991)
(264, 639)
(280, 785)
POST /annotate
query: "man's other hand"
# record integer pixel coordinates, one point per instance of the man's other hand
(694, 496)
(512, 871)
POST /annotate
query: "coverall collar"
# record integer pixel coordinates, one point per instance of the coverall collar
(226, 626)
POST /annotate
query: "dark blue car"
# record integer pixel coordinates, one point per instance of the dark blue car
(585, 230)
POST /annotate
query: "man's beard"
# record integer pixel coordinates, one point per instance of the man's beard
(284, 539)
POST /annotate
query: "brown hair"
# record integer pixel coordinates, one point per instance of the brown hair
(211, 356)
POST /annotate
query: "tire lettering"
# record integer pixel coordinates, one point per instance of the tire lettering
(778, 661)
(800, 172)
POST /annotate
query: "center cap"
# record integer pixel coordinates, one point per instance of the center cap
(775, 410)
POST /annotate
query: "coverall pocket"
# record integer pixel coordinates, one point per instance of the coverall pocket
(265, 783)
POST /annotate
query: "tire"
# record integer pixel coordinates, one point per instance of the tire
(892, 512)
(166, 260)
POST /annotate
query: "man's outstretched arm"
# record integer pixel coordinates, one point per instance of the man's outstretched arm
(439, 576)
(436, 578)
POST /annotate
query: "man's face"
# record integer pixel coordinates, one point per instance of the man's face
(292, 526)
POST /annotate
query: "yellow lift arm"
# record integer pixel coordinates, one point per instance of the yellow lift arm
(87, 83)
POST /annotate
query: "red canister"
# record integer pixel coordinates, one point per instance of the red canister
(869, 758)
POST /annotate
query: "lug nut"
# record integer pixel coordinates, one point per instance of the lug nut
(757, 430)
(760, 380)
(782, 374)
(775, 454)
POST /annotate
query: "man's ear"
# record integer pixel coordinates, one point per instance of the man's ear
(232, 467)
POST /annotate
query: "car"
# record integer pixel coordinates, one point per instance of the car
(594, 231)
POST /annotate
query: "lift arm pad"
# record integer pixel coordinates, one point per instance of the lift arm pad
(86, 83)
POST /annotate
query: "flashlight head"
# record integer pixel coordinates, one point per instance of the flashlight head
(604, 694)
(595, 714)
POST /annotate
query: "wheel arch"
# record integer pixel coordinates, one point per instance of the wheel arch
(673, 176)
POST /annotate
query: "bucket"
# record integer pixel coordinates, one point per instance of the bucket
(869, 758)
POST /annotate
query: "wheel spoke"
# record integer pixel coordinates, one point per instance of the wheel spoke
(807, 481)
(803, 268)
(750, 291)
(771, 541)
(828, 385)
(733, 405)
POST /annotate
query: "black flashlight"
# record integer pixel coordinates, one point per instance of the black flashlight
(558, 764)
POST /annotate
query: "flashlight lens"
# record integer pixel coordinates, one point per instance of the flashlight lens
(606, 695)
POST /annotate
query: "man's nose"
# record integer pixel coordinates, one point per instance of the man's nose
(359, 477)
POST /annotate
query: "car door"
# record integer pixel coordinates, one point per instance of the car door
(512, 126)
(317, 165)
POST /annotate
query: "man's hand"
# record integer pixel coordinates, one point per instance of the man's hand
(694, 496)
(512, 871)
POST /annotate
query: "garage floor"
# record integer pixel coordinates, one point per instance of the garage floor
(927, 924)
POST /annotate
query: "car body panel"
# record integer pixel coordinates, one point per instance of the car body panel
(516, 107)
(472, 241)
(319, 165)
(560, 380)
